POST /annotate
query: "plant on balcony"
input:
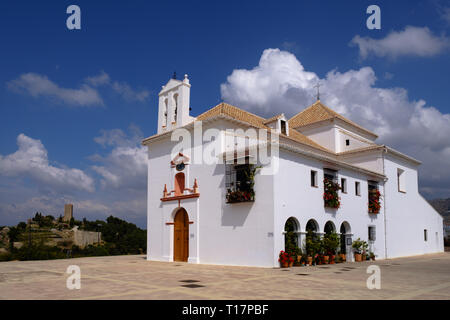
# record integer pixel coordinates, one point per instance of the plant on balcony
(239, 196)
(330, 195)
(243, 192)
(374, 201)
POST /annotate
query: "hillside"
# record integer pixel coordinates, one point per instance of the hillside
(45, 237)
(443, 207)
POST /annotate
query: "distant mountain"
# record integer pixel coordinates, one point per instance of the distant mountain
(442, 206)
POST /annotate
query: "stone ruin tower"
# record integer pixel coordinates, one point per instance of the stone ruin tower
(68, 212)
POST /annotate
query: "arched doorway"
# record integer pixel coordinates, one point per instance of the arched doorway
(329, 227)
(179, 183)
(345, 233)
(312, 227)
(291, 228)
(181, 236)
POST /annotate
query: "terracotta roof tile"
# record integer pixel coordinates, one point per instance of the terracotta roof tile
(278, 116)
(318, 112)
(256, 121)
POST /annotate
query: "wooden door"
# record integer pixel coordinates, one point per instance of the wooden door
(181, 236)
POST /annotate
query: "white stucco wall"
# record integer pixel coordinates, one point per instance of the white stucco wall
(371, 160)
(221, 233)
(324, 134)
(408, 214)
(296, 198)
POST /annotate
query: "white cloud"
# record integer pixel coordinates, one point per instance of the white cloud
(122, 88)
(129, 93)
(39, 85)
(280, 84)
(31, 161)
(99, 80)
(412, 41)
(122, 174)
(126, 164)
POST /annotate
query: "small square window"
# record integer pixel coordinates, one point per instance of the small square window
(401, 180)
(313, 178)
(357, 188)
(347, 142)
(344, 185)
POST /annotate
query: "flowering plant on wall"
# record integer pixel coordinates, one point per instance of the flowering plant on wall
(330, 195)
(374, 201)
(240, 196)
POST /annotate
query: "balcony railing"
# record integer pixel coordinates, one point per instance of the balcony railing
(330, 195)
(374, 201)
(240, 196)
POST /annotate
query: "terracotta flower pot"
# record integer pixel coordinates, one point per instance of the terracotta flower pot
(310, 259)
(358, 257)
(332, 258)
(343, 257)
(299, 259)
(291, 263)
(285, 264)
(326, 259)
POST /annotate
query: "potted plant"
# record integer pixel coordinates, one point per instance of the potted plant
(297, 255)
(364, 247)
(372, 255)
(285, 259)
(331, 244)
(309, 248)
(357, 247)
(304, 260)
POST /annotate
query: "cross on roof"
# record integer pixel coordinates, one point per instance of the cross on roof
(318, 90)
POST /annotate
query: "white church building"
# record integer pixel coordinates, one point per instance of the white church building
(205, 207)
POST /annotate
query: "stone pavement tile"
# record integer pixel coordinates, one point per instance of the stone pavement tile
(133, 277)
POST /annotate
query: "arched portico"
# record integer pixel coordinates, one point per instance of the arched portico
(329, 227)
(291, 234)
(312, 227)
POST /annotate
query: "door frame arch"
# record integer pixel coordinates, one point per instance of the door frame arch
(180, 235)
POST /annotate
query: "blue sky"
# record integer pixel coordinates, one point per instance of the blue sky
(49, 93)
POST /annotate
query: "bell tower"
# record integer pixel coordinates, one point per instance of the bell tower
(173, 109)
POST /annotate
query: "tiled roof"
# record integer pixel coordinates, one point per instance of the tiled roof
(235, 113)
(278, 116)
(318, 112)
(372, 147)
(256, 121)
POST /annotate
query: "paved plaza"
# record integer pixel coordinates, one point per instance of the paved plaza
(133, 277)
